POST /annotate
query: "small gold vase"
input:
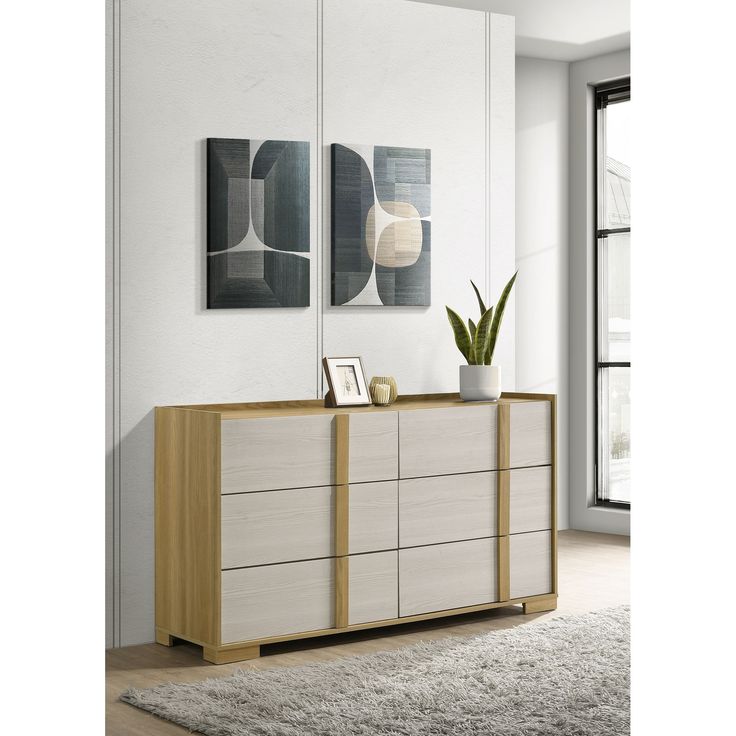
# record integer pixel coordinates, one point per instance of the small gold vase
(389, 381)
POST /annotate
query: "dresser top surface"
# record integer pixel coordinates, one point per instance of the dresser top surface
(260, 409)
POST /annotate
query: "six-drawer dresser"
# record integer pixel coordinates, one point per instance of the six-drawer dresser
(285, 520)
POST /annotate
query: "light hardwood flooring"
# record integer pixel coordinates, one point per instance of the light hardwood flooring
(593, 574)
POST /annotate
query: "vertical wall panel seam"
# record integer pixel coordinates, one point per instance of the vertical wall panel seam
(116, 325)
(485, 148)
(488, 154)
(111, 376)
(118, 443)
(319, 245)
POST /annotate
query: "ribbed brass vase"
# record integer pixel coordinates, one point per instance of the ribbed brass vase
(388, 380)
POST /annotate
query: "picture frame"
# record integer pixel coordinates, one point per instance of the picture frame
(346, 381)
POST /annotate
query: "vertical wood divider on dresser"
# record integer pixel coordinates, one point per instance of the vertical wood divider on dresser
(553, 402)
(342, 519)
(504, 502)
(503, 459)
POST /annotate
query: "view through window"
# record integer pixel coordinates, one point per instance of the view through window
(613, 302)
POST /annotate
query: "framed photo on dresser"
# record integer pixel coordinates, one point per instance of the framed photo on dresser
(346, 380)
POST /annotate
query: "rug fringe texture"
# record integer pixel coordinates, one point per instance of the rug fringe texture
(567, 676)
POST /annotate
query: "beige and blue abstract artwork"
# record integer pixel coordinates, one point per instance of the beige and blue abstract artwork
(258, 244)
(381, 225)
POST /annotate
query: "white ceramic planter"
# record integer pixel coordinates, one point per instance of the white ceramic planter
(480, 382)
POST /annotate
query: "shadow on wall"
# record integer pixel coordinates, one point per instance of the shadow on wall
(200, 237)
(533, 253)
(133, 510)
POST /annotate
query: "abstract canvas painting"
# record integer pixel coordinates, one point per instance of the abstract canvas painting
(381, 229)
(258, 252)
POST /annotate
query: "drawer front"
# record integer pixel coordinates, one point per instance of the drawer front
(374, 587)
(277, 452)
(447, 576)
(258, 602)
(444, 441)
(373, 517)
(277, 526)
(530, 500)
(447, 508)
(531, 434)
(530, 564)
(374, 446)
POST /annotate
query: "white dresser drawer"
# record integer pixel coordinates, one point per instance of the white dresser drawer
(274, 600)
(299, 524)
(374, 446)
(374, 522)
(447, 576)
(447, 508)
(530, 500)
(444, 441)
(277, 452)
(531, 433)
(277, 526)
(374, 587)
(530, 564)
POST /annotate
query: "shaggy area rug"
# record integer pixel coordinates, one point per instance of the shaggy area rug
(564, 677)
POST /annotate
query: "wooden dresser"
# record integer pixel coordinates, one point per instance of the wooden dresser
(286, 520)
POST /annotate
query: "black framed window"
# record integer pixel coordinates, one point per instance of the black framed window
(613, 294)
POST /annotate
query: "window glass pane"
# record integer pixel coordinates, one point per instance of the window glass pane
(614, 298)
(617, 175)
(614, 435)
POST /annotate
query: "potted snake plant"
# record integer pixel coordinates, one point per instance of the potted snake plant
(479, 379)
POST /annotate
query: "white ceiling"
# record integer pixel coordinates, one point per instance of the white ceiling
(566, 30)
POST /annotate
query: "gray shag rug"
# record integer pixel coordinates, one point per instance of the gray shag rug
(568, 676)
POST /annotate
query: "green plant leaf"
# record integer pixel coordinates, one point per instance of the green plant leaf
(462, 336)
(497, 317)
(480, 300)
(482, 336)
(471, 330)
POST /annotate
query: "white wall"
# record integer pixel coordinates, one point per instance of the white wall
(583, 514)
(423, 83)
(370, 71)
(542, 244)
(554, 254)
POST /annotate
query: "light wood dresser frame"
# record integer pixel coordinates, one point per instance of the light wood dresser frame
(188, 522)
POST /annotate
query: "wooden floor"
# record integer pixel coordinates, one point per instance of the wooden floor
(593, 574)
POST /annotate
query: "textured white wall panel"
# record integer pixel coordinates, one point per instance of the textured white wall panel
(501, 165)
(416, 75)
(378, 72)
(191, 70)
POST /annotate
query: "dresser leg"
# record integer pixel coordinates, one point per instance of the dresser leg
(226, 656)
(541, 604)
(163, 637)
